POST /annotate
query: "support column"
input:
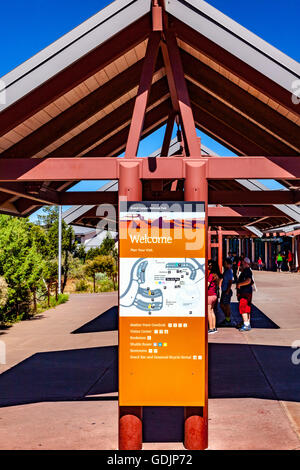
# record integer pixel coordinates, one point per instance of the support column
(266, 255)
(130, 417)
(179, 93)
(220, 249)
(138, 116)
(59, 246)
(196, 418)
(168, 135)
(209, 243)
(253, 249)
(227, 247)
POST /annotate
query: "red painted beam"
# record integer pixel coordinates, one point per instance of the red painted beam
(87, 197)
(234, 233)
(75, 169)
(248, 211)
(276, 167)
(229, 221)
(179, 92)
(141, 100)
(254, 197)
(111, 197)
(116, 144)
(168, 135)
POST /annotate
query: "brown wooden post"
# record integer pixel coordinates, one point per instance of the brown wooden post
(196, 418)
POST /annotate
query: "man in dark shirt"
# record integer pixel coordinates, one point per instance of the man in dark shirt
(244, 293)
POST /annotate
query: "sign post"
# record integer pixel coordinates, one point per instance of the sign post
(162, 347)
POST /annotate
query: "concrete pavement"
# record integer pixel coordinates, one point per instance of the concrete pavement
(58, 388)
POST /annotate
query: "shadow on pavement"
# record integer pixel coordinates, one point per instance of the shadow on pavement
(107, 321)
(258, 318)
(60, 375)
(235, 371)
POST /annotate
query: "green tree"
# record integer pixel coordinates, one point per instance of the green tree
(107, 247)
(21, 265)
(49, 220)
(101, 264)
(3, 292)
(50, 275)
(92, 253)
(80, 253)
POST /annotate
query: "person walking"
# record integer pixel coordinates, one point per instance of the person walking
(214, 278)
(260, 264)
(226, 291)
(279, 260)
(244, 293)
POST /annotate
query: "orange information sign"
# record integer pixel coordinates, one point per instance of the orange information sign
(162, 304)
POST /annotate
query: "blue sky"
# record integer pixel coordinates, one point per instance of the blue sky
(29, 26)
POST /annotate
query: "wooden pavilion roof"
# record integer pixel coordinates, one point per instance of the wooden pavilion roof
(76, 97)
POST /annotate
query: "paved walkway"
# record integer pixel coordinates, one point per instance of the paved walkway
(58, 388)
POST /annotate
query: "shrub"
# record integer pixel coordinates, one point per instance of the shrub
(3, 292)
(106, 285)
(82, 286)
(62, 299)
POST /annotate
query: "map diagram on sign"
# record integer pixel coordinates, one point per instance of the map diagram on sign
(162, 287)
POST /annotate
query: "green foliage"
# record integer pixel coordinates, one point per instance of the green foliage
(107, 247)
(80, 253)
(106, 285)
(3, 292)
(42, 306)
(50, 272)
(92, 253)
(82, 286)
(101, 264)
(62, 299)
(28, 263)
(49, 221)
(21, 264)
(76, 270)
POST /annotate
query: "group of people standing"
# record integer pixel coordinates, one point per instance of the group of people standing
(236, 272)
(284, 260)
